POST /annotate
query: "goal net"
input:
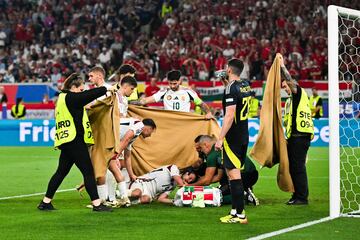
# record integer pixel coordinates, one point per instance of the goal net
(344, 116)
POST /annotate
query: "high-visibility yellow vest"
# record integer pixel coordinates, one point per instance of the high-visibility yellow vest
(313, 102)
(65, 126)
(165, 10)
(21, 109)
(304, 122)
(254, 107)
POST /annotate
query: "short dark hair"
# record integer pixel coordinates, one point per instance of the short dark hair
(18, 100)
(127, 68)
(236, 66)
(173, 75)
(129, 80)
(98, 69)
(73, 80)
(197, 139)
(149, 122)
(190, 170)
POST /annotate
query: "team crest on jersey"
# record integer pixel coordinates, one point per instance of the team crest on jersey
(168, 97)
(182, 98)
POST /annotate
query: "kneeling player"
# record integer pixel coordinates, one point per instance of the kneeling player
(130, 130)
(156, 185)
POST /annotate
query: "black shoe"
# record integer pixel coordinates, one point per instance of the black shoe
(45, 206)
(102, 208)
(297, 201)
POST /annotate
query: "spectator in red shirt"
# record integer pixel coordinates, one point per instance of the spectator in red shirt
(294, 72)
(315, 72)
(318, 58)
(281, 22)
(220, 61)
(152, 88)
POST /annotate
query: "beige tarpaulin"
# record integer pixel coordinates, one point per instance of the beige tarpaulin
(173, 141)
(104, 117)
(270, 145)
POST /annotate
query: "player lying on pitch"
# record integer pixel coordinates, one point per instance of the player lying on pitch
(155, 185)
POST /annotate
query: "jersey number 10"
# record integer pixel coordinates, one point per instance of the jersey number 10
(176, 105)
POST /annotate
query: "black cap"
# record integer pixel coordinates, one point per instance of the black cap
(173, 75)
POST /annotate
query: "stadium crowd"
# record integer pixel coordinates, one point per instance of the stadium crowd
(44, 41)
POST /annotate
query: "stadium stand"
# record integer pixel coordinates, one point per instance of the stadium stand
(44, 41)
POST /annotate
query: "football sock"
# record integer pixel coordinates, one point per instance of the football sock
(122, 189)
(110, 184)
(237, 195)
(233, 212)
(102, 191)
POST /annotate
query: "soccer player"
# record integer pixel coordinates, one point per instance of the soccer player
(234, 136)
(176, 97)
(97, 77)
(130, 130)
(156, 185)
(299, 130)
(128, 70)
(128, 84)
(125, 70)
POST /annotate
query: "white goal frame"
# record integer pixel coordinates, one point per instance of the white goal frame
(334, 138)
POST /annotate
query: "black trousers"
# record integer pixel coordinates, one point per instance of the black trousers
(72, 153)
(297, 149)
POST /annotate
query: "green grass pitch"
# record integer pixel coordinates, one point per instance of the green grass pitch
(28, 170)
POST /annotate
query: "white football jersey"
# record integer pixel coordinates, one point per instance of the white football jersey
(163, 178)
(123, 104)
(177, 100)
(132, 124)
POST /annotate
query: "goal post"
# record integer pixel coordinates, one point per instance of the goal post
(344, 154)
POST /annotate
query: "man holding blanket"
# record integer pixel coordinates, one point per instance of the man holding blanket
(299, 129)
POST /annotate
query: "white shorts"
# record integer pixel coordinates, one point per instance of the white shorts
(146, 187)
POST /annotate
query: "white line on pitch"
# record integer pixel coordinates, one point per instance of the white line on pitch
(274, 177)
(35, 194)
(290, 229)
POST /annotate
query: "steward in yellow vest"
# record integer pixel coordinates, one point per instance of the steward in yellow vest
(65, 125)
(316, 105)
(303, 121)
(254, 106)
(299, 130)
(72, 137)
(18, 111)
(166, 8)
